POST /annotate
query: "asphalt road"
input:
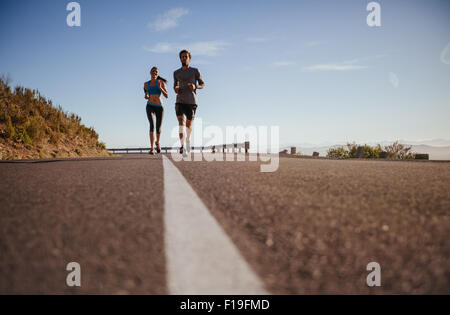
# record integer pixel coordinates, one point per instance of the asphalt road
(310, 227)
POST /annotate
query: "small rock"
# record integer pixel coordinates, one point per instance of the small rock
(269, 241)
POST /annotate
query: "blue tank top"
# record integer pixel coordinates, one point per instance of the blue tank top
(153, 90)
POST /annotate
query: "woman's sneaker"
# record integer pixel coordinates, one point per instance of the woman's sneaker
(158, 148)
(151, 152)
(183, 151)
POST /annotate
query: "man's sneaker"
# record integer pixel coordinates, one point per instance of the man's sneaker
(188, 146)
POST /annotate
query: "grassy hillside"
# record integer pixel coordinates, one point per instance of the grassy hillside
(31, 127)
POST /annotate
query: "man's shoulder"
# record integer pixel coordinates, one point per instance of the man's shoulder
(193, 69)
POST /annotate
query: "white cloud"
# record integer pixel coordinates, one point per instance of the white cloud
(200, 62)
(393, 79)
(168, 20)
(210, 48)
(161, 48)
(206, 48)
(335, 67)
(348, 65)
(257, 39)
(283, 63)
(312, 44)
(445, 55)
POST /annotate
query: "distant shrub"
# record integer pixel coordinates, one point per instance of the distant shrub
(372, 152)
(399, 151)
(338, 153)
(394, 151)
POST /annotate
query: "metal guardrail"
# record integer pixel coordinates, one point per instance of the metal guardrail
(235, 147)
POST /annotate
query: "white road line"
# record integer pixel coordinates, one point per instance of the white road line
(200, 257)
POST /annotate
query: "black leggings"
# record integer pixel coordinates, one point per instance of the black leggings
(159, 113)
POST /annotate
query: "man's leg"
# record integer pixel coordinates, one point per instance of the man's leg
(188, 134)
(181, 129)
(190, 115)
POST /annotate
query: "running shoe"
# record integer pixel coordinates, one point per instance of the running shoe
(181, 150)
(188, 146)
(151, 152)
(158, 148)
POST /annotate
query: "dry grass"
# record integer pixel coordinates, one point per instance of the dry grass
(31, 127)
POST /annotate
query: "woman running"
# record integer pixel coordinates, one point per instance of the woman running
(153, 89)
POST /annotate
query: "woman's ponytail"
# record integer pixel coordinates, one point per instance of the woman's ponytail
(162, 79)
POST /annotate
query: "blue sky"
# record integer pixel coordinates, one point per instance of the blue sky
(314, 68)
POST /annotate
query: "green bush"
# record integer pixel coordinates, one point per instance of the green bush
(101, 145)
(399, 151)
(10, 131)
(372, 152)
(395, 151)
(22, 136)
(338, 153)
(35, 127)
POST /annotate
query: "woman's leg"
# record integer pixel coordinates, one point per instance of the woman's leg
(152, 125)
(159, 113)
(152, 138)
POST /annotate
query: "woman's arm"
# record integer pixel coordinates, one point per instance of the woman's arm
(162, 87)
(145, 90)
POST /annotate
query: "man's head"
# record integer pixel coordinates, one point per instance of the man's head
(185, 57)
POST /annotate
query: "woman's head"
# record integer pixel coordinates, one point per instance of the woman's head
(154, 72)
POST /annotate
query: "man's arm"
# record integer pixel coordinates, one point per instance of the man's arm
(176, 86)
(199, 79)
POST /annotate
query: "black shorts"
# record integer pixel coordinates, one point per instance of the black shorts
(186, 109)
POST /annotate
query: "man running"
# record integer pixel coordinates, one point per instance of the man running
(185, 85)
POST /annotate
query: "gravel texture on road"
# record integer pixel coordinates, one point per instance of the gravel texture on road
(314, 225)
(310, 227)
(106, 214)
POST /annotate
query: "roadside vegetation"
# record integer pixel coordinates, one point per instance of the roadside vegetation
(32, 127)
(395, 151)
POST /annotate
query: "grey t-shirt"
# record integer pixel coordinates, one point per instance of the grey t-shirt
(182, 78)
